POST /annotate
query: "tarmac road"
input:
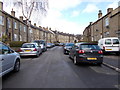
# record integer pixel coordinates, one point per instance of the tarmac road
(53, 69)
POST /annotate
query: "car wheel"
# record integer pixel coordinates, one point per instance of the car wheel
(117, 54)
(69, 56)
(75, 60)
(17, 66)
(99, 64)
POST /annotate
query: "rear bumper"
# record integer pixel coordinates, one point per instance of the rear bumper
(28, 54)
(85, 60)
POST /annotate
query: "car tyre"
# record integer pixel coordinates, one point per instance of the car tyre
(69, 56)
(75, 60)
(37, 55)
(17, 66)
(99, 64)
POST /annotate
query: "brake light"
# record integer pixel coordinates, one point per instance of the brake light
(100, 52)
(81, 51)
(19, 50)
(35, 49)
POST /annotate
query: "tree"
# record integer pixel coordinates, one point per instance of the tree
(31, 6)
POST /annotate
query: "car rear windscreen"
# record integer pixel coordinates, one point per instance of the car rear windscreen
(90, 47)
(28, 46)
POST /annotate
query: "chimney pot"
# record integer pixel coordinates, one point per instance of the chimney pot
(30, 22)
(34, 24)
(100, 14)
(40, 27)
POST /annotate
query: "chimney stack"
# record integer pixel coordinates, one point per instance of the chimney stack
(90, 23)
(21, 18)
(34, 24)
(100, 14)
(46, 28)
(13, 13)
(1, 6)
(30, 22)
(109, 10)
(40, 27)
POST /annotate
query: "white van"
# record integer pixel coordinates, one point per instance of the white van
(110, 44)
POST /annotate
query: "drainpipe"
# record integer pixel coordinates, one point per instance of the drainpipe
(102, 29)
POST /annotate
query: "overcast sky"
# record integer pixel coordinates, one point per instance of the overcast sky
(72, 16)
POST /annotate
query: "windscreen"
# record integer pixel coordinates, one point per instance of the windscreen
(28, 46)
(69, 44)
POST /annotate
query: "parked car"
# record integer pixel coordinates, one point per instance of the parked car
(30, 49)
(67, 47)
(53, 44)
(9, 60)
(86, 53)
(110, 45)
(61, 44)
(42, 44)
(49, 45)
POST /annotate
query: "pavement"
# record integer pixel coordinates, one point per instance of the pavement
(111, 62)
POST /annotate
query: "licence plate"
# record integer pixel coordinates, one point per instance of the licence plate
(92, 58)
(27, 50)
(108, 49)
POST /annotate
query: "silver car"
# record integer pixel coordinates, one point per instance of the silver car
(30, 49)
(9, 60)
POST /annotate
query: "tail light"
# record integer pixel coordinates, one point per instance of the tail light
(35, 49)
(100, 52)
(19, 50)
(81, 51)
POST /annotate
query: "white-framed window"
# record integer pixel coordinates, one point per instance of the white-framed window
(24, 28)
(20, 27)
(1, 20)
(31, 31)
(15, 37)
(107, 21)
(20, 38)
(15, 25)
(9, 23)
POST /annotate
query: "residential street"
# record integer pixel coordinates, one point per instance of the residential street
(53, 69)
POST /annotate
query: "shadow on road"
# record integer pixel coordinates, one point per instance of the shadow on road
(25, 57)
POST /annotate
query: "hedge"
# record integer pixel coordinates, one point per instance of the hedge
(90, 41)
(16, 43)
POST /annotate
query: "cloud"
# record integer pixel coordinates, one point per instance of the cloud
(90, 8)
(56, 22)
(55, 18)
(113, 5)
(75, 13)
(63, 4)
